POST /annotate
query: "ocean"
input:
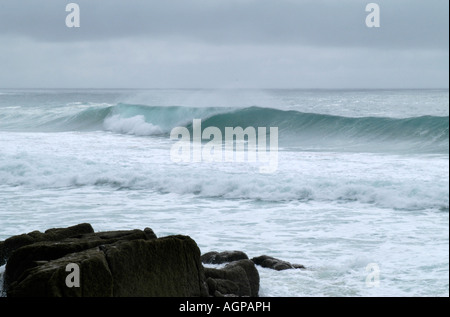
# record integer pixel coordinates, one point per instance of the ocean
(359, 196)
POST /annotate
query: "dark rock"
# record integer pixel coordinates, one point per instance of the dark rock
(149, 234)
(218, 294)
(168, 266)
(223, 257)
(298, 266)
(221, 287)
(28, 256)
(62, 233)
(121, 263)
(242, 274)
(15, 242)
(275, 264)
(48, 279)
(251, 272)
(3, 256)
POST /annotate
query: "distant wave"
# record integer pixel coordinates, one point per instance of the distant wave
(296, 129)
(426, 133)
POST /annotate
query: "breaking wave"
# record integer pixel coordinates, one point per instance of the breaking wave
(427, 134)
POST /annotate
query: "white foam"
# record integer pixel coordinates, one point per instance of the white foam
(134, 126)
(144, 163)
(331, 212)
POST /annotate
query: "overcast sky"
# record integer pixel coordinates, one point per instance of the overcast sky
(224, 44)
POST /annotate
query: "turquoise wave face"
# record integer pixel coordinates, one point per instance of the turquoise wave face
(311, 131)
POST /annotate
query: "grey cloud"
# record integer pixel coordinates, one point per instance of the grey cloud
(405, 23)
(224, 44)
(156, 64)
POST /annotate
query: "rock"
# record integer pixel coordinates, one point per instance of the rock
(275, 264)
(251, 272)
(48, 279)
(163, 267)
(28, 256)
(239, 278)
(149, 234)
(223, 257)
(221, 287)
(3, 255)
(168, 266)
(15, 242)
(298, 266)
(127, 263)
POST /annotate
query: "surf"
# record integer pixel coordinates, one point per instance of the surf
(303, 130)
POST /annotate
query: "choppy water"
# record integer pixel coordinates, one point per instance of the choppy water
(362, 177)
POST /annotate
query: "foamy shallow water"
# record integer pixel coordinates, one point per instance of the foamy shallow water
(335, 213)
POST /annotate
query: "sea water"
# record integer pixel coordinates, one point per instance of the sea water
(361, 181)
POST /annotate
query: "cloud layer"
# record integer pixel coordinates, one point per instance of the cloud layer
(224, 43)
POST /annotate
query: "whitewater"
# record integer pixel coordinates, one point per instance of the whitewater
(362, 178)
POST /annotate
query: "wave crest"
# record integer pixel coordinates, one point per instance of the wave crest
(135, 126)
(308, 131)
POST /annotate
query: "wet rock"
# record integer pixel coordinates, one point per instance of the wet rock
(48, 278)
(124, 263)
(223, 257)
(15, 242)
(168, 266)
(239, 278)
(164, 267)
(30, 255)
(275, 264)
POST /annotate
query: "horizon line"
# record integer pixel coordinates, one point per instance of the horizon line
(223, 88)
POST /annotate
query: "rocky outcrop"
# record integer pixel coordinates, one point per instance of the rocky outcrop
(47, 279)
(214, 257)
(275, 264)
(265, 261)
(118, 263)
(31, 255)
(238, 278)
(126, 263)
(129, 263)
(164, 267)
(11, 244)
